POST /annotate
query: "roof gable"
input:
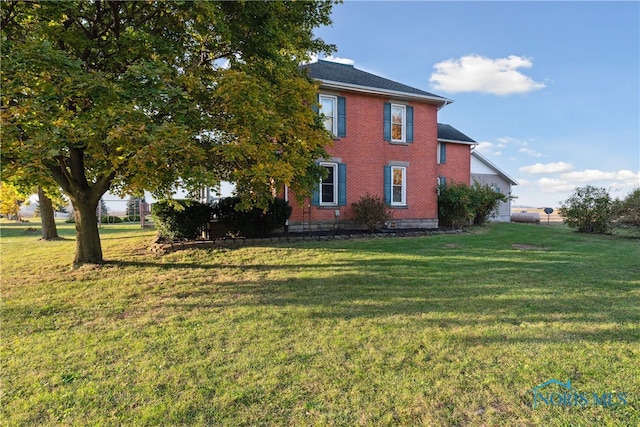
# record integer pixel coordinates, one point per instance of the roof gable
(348, 77)
(490, 165)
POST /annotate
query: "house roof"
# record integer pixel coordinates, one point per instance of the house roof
(498, 171)
(447, 133)
(346, 77)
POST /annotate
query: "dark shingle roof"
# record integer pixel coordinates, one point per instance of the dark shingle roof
(449, 133)
(342, 73)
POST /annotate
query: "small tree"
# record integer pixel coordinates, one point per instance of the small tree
(133, 208)
(10, 201)
(588, 210)
(370, 211)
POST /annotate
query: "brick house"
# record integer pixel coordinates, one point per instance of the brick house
(387, 143)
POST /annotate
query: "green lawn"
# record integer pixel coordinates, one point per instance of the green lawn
(436, 330)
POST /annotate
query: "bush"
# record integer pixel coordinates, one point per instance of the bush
(588, 210)
(626, 213)
(370, 211)
(484, 201)
(460, 205)
(180, 219)
(110, 219)
(254, 222)
(454, 205)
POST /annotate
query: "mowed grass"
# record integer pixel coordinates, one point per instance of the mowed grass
(438, 330)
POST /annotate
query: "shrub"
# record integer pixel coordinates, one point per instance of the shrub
(460, 205)
(180, 219)
(484, 201)
(370, 211)
(588, 210)
(253, 222)
(454, 205)
(626, 213)
(110, 219)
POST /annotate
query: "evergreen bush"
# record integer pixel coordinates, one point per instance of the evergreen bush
(253, 222)
(180, 219)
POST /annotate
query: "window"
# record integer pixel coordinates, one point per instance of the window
(398, 123)
(442, 153)
(329, 185)
(332, 190)
(398, 187)
(333, 109)
(328, 109)
(395, 185)
(441, 181)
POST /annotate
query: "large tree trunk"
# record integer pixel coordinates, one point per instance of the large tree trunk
(88, 247)
(47, 217)
(69, 173)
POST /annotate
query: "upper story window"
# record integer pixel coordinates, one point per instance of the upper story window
(333, 110)
(398, 123)
(442, 153)
(328, 109)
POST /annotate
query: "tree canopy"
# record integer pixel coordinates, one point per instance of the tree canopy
(132, 96)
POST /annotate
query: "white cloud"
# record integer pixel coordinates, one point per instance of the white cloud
(547, 168)
(553, 185)
(486, 147)
(622, 177)
(475, 73)
(339, 60)
(530, 152)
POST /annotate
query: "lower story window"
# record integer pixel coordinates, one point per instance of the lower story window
(398, 186)
(329, 185)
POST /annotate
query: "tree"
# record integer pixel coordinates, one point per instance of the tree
(131, 96)
(588, 210)
(47, 216)
(133, 207)
(49, 202)
(10, 200)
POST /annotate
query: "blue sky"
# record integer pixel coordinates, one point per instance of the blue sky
(550, 90)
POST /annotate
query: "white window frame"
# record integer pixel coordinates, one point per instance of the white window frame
(321, 202)
(403, 192)
(403, 137)
(439, 154)
(334, 100)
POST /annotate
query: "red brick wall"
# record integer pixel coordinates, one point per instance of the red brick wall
(457, 167)
(365, 154)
